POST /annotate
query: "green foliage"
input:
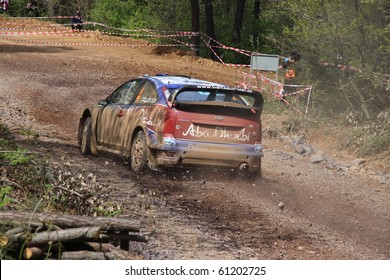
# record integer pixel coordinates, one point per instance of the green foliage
(16, 8)
(294, 126)
(26, 171)
(116, 13)
(29, 132)
(17, 157)
(168, 15)
(376, 144)
(111, 211)
(352, 33)
(5, 199)
(6, 249)
(5, 136)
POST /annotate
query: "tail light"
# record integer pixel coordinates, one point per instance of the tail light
(169, 123)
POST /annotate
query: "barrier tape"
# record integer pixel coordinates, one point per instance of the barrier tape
(354, 69)
(172, 35)
(79, 33)
(279, 93)
(40, 34)
(128, 30)
(210, 42)
(341, 67)
(298, 92)
(94, 44)
(219, 58)
(154, 34)
(50, 17)
(244, 52)
(158, 32)
(212, 50)
(33, 28)
(268, 80)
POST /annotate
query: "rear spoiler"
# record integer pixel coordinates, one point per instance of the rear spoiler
(256, 97)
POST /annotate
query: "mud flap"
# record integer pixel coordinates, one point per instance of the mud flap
(152, 163)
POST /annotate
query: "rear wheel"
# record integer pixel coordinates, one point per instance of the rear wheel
(138, 153)
(253, 174)
(86, 137)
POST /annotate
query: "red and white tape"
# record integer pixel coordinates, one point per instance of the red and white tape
(92, 44)
(53, 33)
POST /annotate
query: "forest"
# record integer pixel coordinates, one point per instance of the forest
(343, 45)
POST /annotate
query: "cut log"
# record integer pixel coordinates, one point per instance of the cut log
(20, 223)
(73, 234)
(58, 236)
(83, 255)
(125, 237)
(3, 240)
(68, 221)
(15, 233)
(33, 253)
(97, 247)
(86, 246)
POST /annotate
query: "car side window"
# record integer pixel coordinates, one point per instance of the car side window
(125, 93)
(147, 95)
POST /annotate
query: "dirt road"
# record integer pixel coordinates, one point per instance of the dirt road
(298, 210)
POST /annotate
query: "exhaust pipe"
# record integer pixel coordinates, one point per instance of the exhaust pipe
(243, 167)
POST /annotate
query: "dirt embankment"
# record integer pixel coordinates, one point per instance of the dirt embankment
(303, 208)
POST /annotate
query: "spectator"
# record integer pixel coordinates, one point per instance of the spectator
(294, 57)
(77, 21)
(289, 65)
(31, 9)
(4, 5)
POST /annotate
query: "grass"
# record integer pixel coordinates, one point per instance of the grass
(339, 133)
(29, 182)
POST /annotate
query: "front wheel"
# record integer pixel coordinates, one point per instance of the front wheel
(86, 137)
(138, 153)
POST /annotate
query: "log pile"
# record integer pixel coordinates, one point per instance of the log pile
(58, 236)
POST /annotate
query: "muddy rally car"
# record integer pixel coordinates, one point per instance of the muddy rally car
(176, 121)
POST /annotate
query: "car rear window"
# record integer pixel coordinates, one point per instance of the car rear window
(231, 96)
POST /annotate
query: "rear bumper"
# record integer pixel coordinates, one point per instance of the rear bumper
(186, 153)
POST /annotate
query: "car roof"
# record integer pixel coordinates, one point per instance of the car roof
(176, 81)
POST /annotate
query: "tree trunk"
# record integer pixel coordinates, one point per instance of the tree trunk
(362, 100)
(195, 27)
(256, 17)
(208, 5)
(238, 21)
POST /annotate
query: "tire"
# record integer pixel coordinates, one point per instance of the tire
(253, 175)
(138, 159)
(86, 137)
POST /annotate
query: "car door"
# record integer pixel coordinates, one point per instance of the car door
(141, 112)
(110, 119)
